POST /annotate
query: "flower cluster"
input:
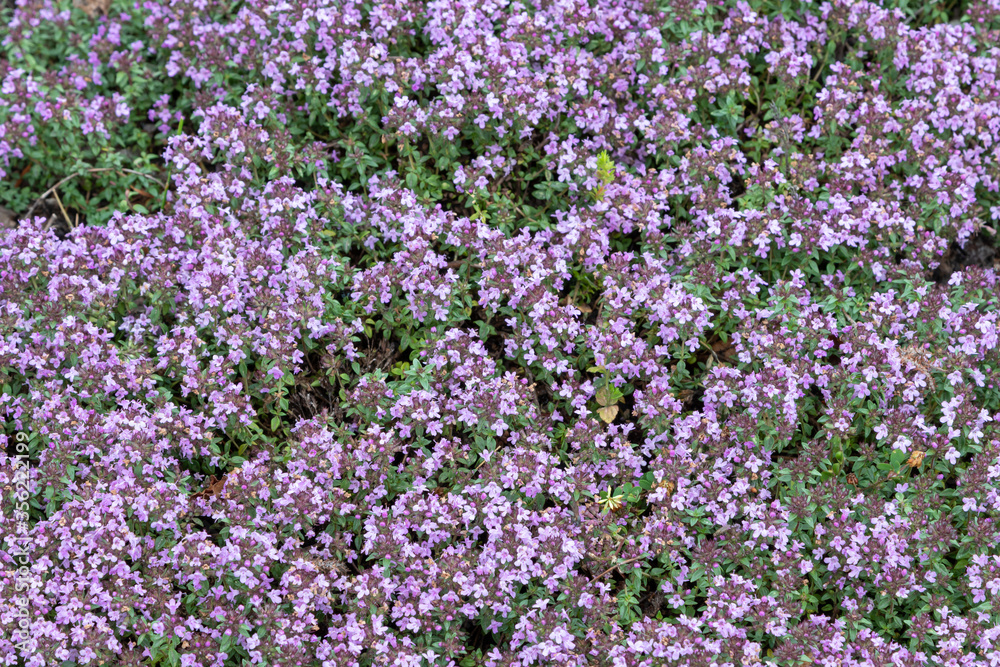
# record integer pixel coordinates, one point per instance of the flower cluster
(501, 333)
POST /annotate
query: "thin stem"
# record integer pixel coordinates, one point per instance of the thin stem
(62, 208)
(618, 565)
(128, 171)
(712, 350)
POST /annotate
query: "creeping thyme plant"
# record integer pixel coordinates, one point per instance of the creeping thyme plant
(500, 332)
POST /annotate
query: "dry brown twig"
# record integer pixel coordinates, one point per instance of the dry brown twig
(63, 209)
(93, 170)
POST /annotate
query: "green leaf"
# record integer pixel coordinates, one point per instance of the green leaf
(647, 481)
(897, 458)
(632, 493)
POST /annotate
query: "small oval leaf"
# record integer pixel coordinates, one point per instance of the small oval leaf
(608, 413)
(603, 396)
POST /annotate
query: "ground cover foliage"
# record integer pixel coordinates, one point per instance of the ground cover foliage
(475, 332)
